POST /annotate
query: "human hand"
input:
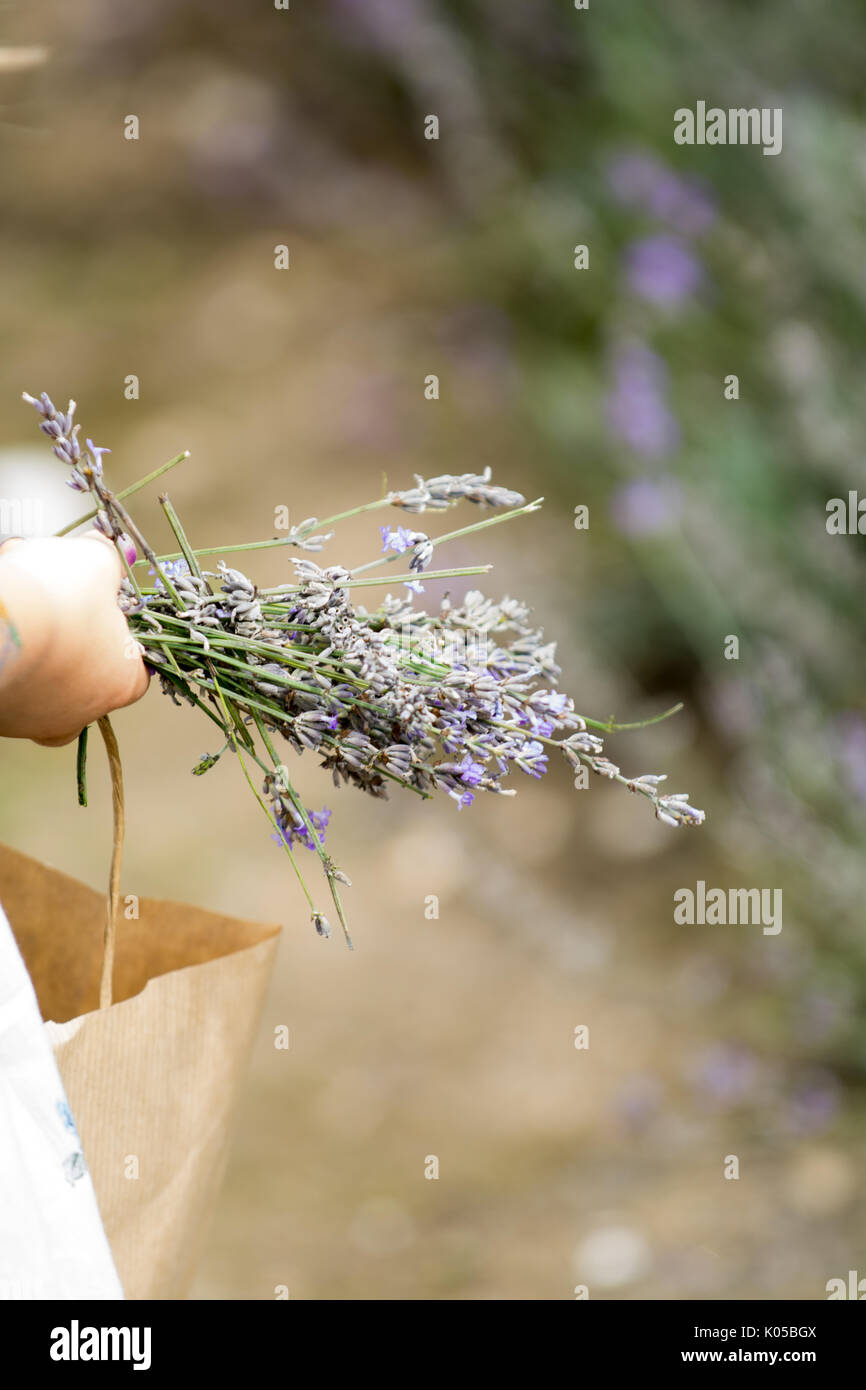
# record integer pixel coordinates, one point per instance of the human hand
(67, 656)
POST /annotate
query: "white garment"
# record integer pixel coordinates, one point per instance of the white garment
(52, 1243)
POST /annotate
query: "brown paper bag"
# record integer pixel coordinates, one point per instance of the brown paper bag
(152, 1081)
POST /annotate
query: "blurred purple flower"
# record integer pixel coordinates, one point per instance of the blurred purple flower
(387, 25)
(646, 506)
(642, 182)
(638, 1101)
(815, 1102)
(637, 410)
(685, 204)
(851, 730)
(663, 270)
(631, 178)
(725, 1074)
(822, 1013)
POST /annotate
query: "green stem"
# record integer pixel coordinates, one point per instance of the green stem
(277, 541)
(289, 589)
(353, 511)
(127, 492)
(225, 549)
(174, 522)
(464, 531)
(612, 727)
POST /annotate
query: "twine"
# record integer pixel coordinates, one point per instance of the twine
(118, 819)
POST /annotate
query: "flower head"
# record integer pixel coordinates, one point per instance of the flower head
(663, 270)
(398, 538)
(292, 830)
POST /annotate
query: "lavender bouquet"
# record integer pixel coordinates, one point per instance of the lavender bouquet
(452, 701)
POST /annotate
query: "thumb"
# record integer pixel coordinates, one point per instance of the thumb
(96, 536)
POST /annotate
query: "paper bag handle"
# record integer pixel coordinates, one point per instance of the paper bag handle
(118, 823)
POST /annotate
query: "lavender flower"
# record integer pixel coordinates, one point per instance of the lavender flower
(469, 771)
(663, 270)
(439, 493)
(292, 829)
(531, 758)
(173, 569)
(643, 183)
(647, 506)
(397, 538)
(637, 407)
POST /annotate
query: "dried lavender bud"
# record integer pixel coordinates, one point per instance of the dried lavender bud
(321, 923)
(675, 810)
(421, 555)
(438, 493)
(299, 535)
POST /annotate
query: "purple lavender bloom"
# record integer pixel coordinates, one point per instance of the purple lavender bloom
(646, 506)
(320, 821)
(172, 569)
(291, 833)
(815, 1102)
(397, 538)
(554, 700)
(663, 270)
(470, 772)
(532, 759)
(637, 410)
(68, 452)
(539, 724)
(96, 454)
(546, 705)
